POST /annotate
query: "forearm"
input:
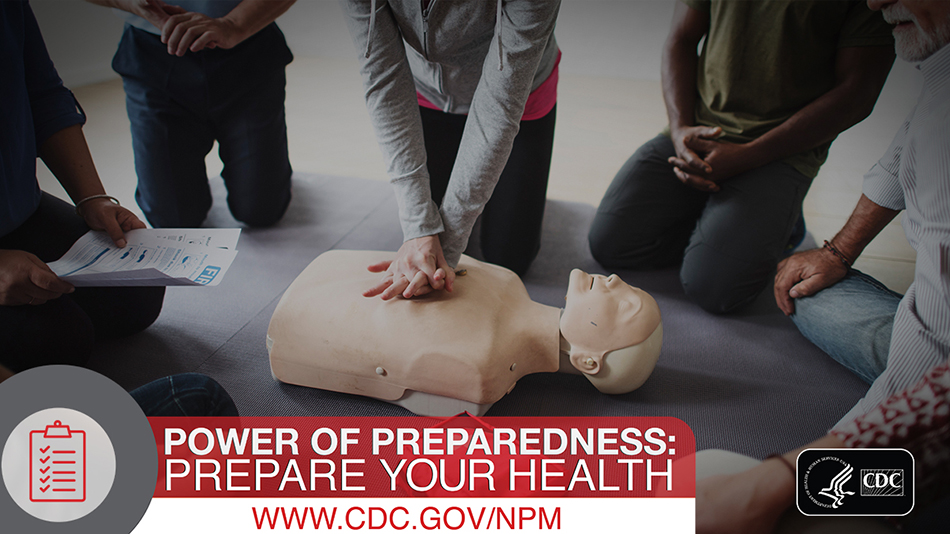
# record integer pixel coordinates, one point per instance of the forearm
(679, 64)
(778, 492)
(251, 16)
(862, 73)
(828, 441)
(679, 85)
(67, 156)
(816, 124)
(125, 5)
(751, 500)
(866, 221)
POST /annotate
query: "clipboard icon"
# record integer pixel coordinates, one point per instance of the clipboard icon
(57, 464)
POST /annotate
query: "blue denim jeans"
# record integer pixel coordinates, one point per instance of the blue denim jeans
(851, 321)
(184, 395)
(179, 106)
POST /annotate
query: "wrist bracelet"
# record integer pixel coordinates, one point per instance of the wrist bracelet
(784, 461)
(93, 197)
(837, 253)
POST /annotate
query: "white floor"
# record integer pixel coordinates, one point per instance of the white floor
(601, 121)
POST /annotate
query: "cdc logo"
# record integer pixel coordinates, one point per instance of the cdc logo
(872, 482)
(882, 482)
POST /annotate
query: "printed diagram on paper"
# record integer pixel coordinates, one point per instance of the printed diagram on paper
(152, 257)
(57, 464)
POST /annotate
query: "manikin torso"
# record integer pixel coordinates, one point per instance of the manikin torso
(435, 355)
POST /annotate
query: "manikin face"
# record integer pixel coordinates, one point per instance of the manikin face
(603, 313)
(922, 27)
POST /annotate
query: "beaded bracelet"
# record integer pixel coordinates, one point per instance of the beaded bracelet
(837, 253)
(93, 197)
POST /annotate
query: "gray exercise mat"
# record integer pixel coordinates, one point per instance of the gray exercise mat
(748, 382)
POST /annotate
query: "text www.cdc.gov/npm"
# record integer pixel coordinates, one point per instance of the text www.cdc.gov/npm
(399, 518)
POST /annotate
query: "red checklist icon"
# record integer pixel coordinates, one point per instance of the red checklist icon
(57, 464)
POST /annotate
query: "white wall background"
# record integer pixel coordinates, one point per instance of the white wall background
(602, 38)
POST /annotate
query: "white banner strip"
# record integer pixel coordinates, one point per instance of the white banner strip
(236, 516)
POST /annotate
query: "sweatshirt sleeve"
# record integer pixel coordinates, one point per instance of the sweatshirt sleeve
(394, 112)
(507, 75)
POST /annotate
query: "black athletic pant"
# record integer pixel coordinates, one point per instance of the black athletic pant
(511, 222)
(62, 330)
(728, 243)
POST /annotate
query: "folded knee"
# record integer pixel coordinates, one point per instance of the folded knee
(617, 249)
(603, 245)
(257, 213)
(517, 260)
(188, 395)
(150, 307)
(163, 218)
(131, 310)
(718, 292)
(58, 334)
(200, 395)
(611, 246)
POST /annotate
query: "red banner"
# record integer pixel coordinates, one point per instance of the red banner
(462, 456)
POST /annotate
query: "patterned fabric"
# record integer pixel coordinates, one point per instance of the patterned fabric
(916, 419)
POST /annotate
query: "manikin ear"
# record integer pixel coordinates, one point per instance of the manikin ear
(587, 362)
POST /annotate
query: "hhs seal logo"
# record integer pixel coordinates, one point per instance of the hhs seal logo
(835, 490)
(877, 482)
(833, 494)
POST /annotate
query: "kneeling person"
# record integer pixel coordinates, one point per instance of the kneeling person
(751, 121)
(44, 320)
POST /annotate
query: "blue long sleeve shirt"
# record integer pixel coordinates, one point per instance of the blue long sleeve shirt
(34, 105)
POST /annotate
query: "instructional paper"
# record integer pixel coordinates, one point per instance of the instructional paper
(152, 257)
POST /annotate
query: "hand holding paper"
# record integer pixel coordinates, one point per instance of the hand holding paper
(151, 257)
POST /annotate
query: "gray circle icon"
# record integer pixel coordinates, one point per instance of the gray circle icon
(58, 464)
(114, 412)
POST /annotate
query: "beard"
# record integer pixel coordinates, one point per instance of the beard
(911, 42)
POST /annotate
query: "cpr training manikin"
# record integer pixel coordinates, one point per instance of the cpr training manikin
(446, 353)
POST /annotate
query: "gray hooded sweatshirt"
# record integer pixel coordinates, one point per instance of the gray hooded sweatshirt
(478, 57)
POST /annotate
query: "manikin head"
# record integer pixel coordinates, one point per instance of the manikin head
(922, 27)
(614, 331)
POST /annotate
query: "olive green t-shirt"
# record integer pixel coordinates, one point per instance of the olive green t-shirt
(762, 61)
